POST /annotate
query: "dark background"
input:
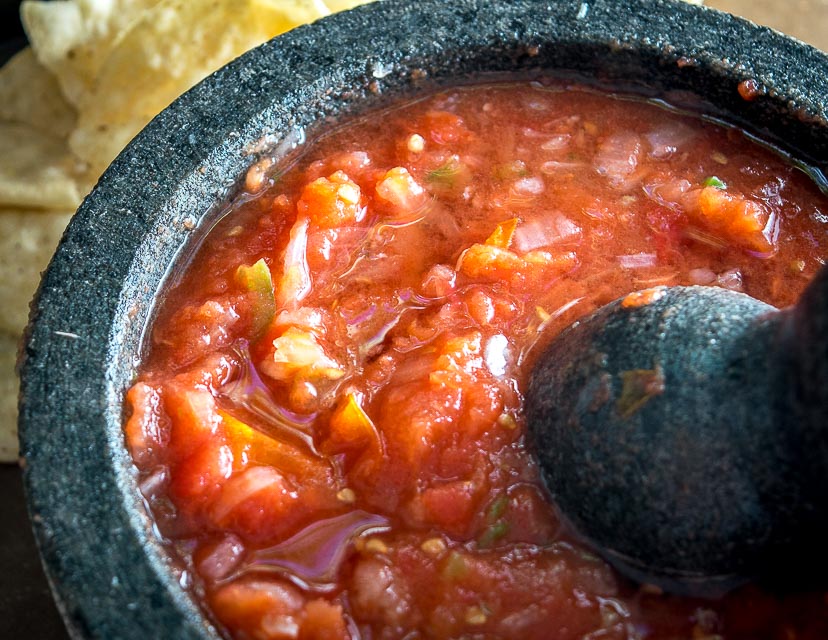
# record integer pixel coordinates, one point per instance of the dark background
(27, 611)
(11, 31)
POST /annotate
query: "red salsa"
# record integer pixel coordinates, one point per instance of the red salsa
(328, 424)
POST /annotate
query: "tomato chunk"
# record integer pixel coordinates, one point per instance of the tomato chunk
(331, 202)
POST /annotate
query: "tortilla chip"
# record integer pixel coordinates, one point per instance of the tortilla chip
(71, 38)
(342, 5)
(170, 48)
(27, 242)
(30, 95)
(36, 170)
(9, 388)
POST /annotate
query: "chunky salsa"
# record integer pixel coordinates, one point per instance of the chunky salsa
(328, 423)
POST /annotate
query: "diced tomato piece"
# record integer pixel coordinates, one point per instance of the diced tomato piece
(147, 430)
(200, 329)
(738, 219)
(269, 479)
(354, 163)
(193, 415)
(551, 261)
(331, 202)
(245, 495)
(480, 305)
(378, 595)
(215, 558)
(531, 517)
(494, 264)
(542, 266)
(263, 506)
(323, 620)
(432, 426)
(330, 251)
(201, 474)
(460, 356)
(415, 418)
(483, 404)
(489, 262)
(444, 127)
(451, 506)
(273, 610)
(259, 609)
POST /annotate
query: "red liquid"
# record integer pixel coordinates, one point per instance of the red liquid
(333, 439)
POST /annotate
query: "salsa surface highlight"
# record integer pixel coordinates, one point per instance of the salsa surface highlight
(328, 423)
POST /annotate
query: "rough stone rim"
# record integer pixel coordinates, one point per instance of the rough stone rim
(110, 576)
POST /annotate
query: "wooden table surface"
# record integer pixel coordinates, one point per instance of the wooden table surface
(803, 19)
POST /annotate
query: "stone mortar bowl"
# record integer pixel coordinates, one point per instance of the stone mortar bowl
(110, 574)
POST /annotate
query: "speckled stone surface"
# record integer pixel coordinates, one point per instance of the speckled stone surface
(111, 576)
(705, 471)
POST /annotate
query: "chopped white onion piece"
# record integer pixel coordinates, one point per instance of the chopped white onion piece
(637, 260)
(528, 186)
(535, 234)
(552, 167)
(222, 559)
(496, 354)
(701, 276)
(617, 156)
(155, 482)
(731, 279)
(244, 485)
(666, 139)
(556, 143)
(296, 279)
(669, 194)
(304, 318)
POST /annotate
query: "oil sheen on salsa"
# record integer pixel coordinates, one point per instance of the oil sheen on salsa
(328, 423)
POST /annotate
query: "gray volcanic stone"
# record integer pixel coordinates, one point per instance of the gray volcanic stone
(111, 575)
(707, 470)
